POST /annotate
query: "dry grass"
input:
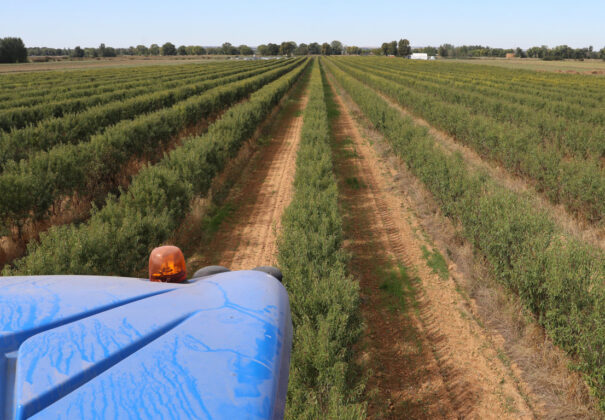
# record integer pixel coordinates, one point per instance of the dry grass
(596, 67)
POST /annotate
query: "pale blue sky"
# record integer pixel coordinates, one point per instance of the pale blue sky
(121, 23)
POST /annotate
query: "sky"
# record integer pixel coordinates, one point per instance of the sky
(122, 23)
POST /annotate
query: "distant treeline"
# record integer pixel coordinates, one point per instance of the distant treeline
(560, 52)
(141, 50)
(285, 48)
(13, 50)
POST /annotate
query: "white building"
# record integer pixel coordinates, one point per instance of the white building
(419, 56)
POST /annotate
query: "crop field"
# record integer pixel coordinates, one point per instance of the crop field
(72, 148)
(440, 225)
(547, 131)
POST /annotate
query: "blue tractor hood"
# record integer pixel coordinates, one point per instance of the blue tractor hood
(88, 347)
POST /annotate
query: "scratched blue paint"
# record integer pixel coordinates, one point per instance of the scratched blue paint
(217, 348)
(31, 304)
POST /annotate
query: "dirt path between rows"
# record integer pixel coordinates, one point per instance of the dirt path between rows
(432, 361)
(582, 230)
(247, 237)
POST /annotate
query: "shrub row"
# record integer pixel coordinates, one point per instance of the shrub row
(558, 102)
(28, 114)
(20, 117)
(35, 95)
(30, 187)
(78, 127)
(324, 300)
(576, 130)
(584, 92)
(117, 239)
(23, 83)
(579, 184)
(560, 279)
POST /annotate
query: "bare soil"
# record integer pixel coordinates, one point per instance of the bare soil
(247, 237)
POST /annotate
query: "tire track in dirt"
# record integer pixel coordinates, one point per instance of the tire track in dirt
(461, 374)
(248, 237)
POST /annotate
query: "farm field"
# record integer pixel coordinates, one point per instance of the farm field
(440, 225)
(103, 63)
(593, 67)
(517, 235)
(66, 163)
(550, 129)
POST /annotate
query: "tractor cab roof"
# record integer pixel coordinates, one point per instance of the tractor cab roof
(113, 347)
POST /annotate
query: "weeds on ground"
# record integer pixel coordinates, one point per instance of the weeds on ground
(355, 183)
(436, 262)
(399, 286)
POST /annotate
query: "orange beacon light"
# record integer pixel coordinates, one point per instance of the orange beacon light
(167, 264)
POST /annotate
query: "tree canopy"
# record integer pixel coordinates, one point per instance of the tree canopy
(302, 49)
(168, 49)
(78, 52)
(326, 49)
(314, 48)
(104, 51)
(12, 50)
(141, 50)
(229, 49)
(336, 47)
(245, 50)
(287, 48)
(403, 48)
